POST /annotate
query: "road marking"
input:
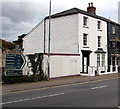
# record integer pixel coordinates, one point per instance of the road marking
(21, 91)
(99, 87)
(32, 98)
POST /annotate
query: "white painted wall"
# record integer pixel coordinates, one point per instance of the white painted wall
(64, 66)
(27, 69)
(34, 41)
(93, 34)
(64, 39)
(64, 35)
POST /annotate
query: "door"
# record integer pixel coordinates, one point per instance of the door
(85, 64)
(85, 60)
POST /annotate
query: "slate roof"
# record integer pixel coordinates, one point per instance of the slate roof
(76, 11)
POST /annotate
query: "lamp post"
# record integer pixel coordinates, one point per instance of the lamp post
(49, 34)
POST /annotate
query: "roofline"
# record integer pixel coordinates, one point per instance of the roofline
(33, 29)
(77, 11)
(56, 15)
(82, 12)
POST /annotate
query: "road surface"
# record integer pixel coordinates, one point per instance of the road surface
(100, 93)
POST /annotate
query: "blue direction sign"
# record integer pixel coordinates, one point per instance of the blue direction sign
(14, 63)
(13, 72)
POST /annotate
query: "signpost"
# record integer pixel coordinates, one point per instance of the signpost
(14, 64)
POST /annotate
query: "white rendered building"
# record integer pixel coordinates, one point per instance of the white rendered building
(78, 44)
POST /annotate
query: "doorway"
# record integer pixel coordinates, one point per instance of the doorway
(85, 60)
(85, 65)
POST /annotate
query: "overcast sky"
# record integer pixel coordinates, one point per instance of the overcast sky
(20, 16)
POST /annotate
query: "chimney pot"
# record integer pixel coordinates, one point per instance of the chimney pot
(91, 8)
(91, 4)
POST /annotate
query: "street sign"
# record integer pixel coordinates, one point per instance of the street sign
(13, 72)
(14, 64)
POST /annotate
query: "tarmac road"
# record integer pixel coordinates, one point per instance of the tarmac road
(97, 93)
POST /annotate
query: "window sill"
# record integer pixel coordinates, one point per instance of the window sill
(99, 30)
(85, 26)
(85, 47)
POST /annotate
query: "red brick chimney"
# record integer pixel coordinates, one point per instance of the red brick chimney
(91, 8)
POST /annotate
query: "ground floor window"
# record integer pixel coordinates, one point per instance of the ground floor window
(115, 61)
(100, 59)
(103, 59)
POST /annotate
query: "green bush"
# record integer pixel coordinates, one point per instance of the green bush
(22, 79)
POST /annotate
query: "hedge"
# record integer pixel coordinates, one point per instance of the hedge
(22, 79)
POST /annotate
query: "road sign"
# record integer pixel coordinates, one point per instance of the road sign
(14, 72)
(14, 64)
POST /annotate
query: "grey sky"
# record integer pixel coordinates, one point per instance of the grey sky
(20, 17)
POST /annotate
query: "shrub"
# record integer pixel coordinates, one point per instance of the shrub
(22, 79)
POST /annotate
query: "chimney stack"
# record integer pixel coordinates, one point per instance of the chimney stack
(91, 8)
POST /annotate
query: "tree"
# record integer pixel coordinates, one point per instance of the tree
(7, 45)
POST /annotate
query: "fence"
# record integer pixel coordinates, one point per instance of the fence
(100, 70)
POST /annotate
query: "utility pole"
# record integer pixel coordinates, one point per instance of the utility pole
(49, 34)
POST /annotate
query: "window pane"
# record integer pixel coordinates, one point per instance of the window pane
(99, 41)
(113, 29)
(103, 59)
(98, 63)
(99, 24)
(85, 39)
(98, 56)
(98, 59)
(85, 21)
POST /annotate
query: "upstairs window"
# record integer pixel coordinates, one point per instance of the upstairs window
(85, 39)
(99, 41)
(85, 21)
(113, 29)
(99, 25)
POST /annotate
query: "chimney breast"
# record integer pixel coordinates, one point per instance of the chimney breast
(91, 8)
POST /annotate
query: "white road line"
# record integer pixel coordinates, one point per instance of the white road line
(99, 87)
(32, 98)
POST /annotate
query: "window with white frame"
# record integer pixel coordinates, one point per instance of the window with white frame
(98, 59)
(99, 41)
(85, 21)
(103, 59)
(85, 39)
(99, 25)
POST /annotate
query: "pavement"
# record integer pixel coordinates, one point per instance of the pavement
(54, 82)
